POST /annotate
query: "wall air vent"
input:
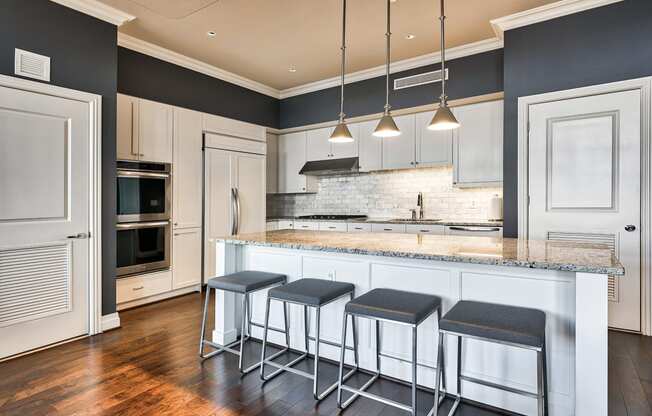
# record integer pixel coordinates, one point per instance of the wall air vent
(419, 79)
(32, 65)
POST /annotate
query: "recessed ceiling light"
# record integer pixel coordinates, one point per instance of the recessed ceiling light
(393, 1)
(211, 34)
(292, 69)
(409, 36)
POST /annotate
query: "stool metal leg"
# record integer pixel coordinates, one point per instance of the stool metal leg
(341, 368)
(243, 337)
(203, 322)
(306, 332)
(316, 372)
(540, 393)
(545, 378)
(439, 374)
(414, 370)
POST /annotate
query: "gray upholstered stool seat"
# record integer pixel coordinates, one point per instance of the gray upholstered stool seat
(311, 292)
(245, 281)
(394, 305)
(511, 324)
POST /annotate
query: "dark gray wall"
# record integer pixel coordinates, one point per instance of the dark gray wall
(606, 44)
(469, 76)
(84, 57)
(147, 77)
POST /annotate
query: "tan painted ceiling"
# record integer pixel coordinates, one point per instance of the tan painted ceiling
(262, 39)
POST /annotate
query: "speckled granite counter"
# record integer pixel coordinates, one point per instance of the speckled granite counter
(532, 254)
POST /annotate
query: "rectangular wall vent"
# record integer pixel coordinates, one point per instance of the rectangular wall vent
(32, 65)
(419, 79)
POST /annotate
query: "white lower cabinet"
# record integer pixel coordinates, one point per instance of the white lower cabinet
(425, 229)
(332, 226)
(387, 228)
(285, 225)
(358, 227)
(271, 226)
(186, 257)
(138, 287)
(474, 231)
(306, 225)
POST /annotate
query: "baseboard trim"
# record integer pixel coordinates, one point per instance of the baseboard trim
(159, 297)
(110, 321)
(225, 338)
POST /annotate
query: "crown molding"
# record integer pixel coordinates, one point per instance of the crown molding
(543, 13)
(98, 10)
(398, 66)
(167, 55)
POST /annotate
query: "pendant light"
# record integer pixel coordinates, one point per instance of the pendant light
(341, 134)
(444, 118)
(386, 126)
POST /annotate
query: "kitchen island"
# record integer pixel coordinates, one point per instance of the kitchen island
(567, 281)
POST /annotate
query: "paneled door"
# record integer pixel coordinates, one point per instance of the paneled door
(584, 184)
(44, 220)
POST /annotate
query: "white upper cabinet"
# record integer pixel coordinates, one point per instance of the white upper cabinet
(187, 169)
(155, 131)
(144, 130)
(433, 148)
(319, 148)
(272, 163)
(370, 146)
(478, 145)
(400, 152)
(127, 128)
(291, 158)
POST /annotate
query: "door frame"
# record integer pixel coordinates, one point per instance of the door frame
(94, 103)
(644, 85)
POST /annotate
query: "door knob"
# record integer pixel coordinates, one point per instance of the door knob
(630, 228)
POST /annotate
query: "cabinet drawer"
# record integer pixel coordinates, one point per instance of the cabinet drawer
(138, 287)
(359, 228)
(306, 225)
(388, 228)
(285, 225)
(332, 226)
(425, 229)
(272, 225)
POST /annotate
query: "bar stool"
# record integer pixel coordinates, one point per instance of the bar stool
(314, 293)
(245, 283)
(398, 307)
(500, 324)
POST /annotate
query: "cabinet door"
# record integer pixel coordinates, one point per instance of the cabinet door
(370, 147)
(343, 150)
(434, 148)
(272, 163)
(318, 147)
(187, 169)
(127, 128)
(251, 197)
(399, 152)
(186, 258)
(478, 144)
(291, 158)
(154, 131)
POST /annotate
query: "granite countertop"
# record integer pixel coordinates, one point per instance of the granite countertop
(460, 223)
(534, 254)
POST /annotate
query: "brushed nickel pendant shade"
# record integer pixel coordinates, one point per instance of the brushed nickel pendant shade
(386, 126)
(341, 134)
(444, 118)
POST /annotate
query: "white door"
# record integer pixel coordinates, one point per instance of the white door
(342, 150)
(584, 184)
(154, 131)
(251, 195)
(434, 147)
(187, 169)
(317, 145)
(291, 158)
(186, 258)
(44, 197)
(399, 152)
(127, 128)
(371, 147)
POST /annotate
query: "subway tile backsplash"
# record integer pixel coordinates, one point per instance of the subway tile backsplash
(388, 194)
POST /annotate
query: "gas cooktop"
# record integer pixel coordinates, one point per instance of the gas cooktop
(331, 217)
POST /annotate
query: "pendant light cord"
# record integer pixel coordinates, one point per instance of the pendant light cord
(388, 36)
(442, 17)
(343, 48)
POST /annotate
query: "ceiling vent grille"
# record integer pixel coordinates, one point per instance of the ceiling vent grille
(32, 65)
(419, 79)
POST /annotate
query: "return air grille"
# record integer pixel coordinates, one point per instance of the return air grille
(419, 79)
(35, 282)
(608, 240)
(32, 65)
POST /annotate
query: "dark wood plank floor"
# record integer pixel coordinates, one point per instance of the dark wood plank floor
(150, 367)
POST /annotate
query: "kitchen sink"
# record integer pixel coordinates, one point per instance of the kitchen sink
(415, 221)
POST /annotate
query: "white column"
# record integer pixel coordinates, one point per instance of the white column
(591, 326)
(225, 330)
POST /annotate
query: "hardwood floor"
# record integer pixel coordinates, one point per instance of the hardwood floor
(150, 367)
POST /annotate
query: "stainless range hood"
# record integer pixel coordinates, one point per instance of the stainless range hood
(330, 167)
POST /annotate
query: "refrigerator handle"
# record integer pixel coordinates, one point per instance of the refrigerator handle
(237, 207)
(234, 208)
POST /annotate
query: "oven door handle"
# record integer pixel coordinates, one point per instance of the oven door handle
(234, 208)
(138, 174)
(133, 225)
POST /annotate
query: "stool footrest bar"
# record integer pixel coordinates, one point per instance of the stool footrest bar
(382, 354)
(378, 398)
(498, 386)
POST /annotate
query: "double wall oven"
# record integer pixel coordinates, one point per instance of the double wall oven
(143, 214)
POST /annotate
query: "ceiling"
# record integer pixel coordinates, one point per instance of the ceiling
(262, 39)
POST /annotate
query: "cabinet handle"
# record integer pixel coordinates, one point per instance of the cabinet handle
(388, 229)
(332, 228)
(424, 231)
(139, 288)
(135, 153)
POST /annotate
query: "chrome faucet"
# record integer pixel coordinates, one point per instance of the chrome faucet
(420, 204)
